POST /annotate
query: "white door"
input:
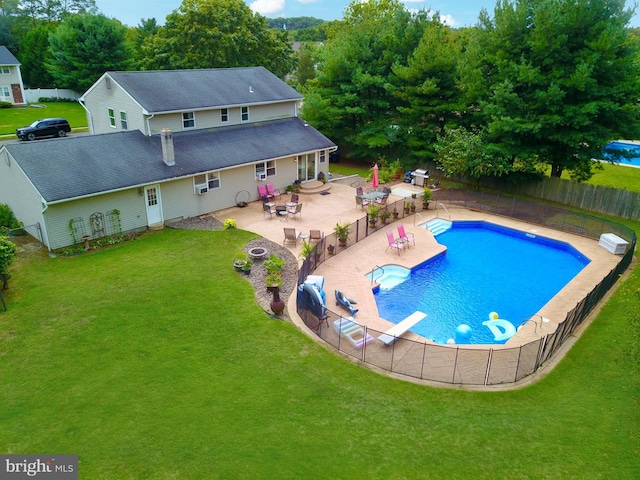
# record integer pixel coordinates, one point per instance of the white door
(154, 206)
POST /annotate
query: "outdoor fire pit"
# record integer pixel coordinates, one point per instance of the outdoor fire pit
(257, 253)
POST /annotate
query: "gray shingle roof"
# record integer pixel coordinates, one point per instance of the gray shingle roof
(179, 90)
(6, 57)
(67, 168)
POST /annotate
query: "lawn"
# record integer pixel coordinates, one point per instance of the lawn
(151, 360)
(12, 118)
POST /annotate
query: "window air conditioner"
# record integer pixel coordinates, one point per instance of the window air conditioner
(201, 190)
(261, 176)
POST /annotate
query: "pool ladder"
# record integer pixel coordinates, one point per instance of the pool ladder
(376, 267)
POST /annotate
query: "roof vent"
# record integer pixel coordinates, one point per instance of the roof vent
(250, 89)
(107, 82)
(168, 155)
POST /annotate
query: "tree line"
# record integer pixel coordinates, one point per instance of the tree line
(536, 86)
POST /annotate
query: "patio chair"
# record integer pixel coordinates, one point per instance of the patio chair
(270, 209)
(290, 235)
(382, 200)
(272, 192)
(295, 198)
(359, 191)
(362, 202)
(265, 201)
(262, 191)
(315, 236)
(393, 243)
(295, 210)
(405, 236)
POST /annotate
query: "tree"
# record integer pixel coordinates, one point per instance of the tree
(56, 9)
(34, 54)
(560, 81)
(83, 47)
(216, 34)
(350, 99)
(429, 98)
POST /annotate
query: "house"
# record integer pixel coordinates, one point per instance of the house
(11, 87)
(164, 145)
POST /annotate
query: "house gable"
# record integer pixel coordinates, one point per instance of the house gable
(11, 87)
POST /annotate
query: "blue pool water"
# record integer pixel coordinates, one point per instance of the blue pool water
(486, 268)
(628, 147)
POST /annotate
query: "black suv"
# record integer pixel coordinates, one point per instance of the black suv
(48, 127)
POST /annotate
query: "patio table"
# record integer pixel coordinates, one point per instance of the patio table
(372, 195)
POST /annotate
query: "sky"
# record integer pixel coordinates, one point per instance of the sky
(456, 13)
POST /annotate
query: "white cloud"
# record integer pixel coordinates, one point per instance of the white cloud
(448, 20)
(308, 1)
(267, 7)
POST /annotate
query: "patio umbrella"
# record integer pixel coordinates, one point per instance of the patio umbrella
(375, 176)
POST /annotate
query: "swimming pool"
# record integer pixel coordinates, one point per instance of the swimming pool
(486, 268)
(626, 147)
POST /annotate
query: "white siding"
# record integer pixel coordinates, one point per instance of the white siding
(100, 99)
(18, 193)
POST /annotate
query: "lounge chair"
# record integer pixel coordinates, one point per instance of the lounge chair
(390, 336)
(290, 235)
(406, 237)
(272, 192)
(315, 236)
(354, 333)
(262, 191)
(393, 243)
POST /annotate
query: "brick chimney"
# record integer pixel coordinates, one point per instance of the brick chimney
(168, 155)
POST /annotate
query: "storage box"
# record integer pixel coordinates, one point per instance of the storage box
(613, 243)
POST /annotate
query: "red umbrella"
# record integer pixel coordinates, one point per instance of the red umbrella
(375, 176)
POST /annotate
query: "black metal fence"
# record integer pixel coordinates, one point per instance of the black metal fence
(477, 364)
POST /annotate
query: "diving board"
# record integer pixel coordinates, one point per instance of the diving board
(390, 336)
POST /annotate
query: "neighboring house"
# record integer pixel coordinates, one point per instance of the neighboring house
(11, 87)
(184, 143)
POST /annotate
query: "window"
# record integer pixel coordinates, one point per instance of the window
(266, 169)
(112, 118)
(207, 181)
(5, 69)
(224, 115)
(5, 92)
(188, 120)
(123, 120)
(323, 156)
(245, 114)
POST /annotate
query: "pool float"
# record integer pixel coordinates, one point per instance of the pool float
(354, 333)
(311, 297)
(463, 333)
(345, 302)
(501, 329)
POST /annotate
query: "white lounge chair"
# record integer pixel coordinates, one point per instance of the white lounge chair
(390, 336)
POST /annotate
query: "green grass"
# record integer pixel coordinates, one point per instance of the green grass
(12, 118)
(152, 360)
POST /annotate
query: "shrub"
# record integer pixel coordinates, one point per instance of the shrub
(5, 105)
(274, 266)
(7, 219)
(229, 224)
(7, 254)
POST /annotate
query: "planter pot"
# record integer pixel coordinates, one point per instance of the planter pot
(330, 249)
(342, 243)
(239, 265)
(372, 224)
(396, 215)
(277, 304)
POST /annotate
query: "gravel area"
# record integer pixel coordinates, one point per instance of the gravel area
(258, 274)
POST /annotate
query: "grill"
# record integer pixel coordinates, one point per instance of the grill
(420, 176)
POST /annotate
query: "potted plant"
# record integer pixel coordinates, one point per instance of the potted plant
(246, 268)
(330, 249)
(307, 249)
(396, 213)
(412, 207)
(384, 216)
(407, 207)
(342, 233)
(373, 215)
(426, 197)
(240, 262)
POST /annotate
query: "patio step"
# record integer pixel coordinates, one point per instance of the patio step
(315, 186)
(437, 226)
